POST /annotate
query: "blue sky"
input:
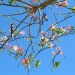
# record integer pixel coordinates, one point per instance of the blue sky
(8, 65)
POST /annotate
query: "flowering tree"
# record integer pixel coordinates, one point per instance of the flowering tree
(30, 26)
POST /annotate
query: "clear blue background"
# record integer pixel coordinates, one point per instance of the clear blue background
(8, 65)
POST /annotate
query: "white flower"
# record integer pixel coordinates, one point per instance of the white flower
(46, 40)
(52, 27)
(51, 45)
(15, 48)
(53, 52)
(5, 37)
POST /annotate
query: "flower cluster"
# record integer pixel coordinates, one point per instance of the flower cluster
(64, 3)
(58, 51)
(34, 1)
(25, 61)
(3, 39)
(16, 48)
(60, 31)
(45, 41)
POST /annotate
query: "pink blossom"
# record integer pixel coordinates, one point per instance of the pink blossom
(65, 3)
(22, 32)
(51, 45)
(43, 33)
(15, 48)
(68, 27)
(29, 7)
(6, 43)
(61, 52)
(52, 35)
(31, 13)
(53, 52)
(20, 49)
(46, 40)
(59, 49)
(34, 0)
(60, 4)
(10, 47)
(52, 27)
(23, 61)
(62, 29)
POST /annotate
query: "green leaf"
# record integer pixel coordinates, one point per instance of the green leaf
(52, 4)
(16, 32)
(57, 64)
(73, 9)
(58, 40)
(37, 64)
(30, 57)
(42, 39)
(1, 50)
(48, 44)
(16, 57)
(19, 11)
(12, 2)
(26, 9)
(20, 54)
(27, 39)
(41, 45)
(10, 52)
(72, 28)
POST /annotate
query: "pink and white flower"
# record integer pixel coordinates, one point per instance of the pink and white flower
(53, 52)
(51, 45)
(68, 27)
(34, 1)
(46, 40)
(15, 48)
(10, 47)
(20, 49)
(52, 27)
(65, 3)
(22, 32)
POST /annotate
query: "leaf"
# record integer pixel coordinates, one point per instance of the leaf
(16, 32)
(10, 52)
(52, 4)
(26, 9)
(27, 39)
(57, 64)
(42, 39)
(73, 9)
(1, 50)
(72, 28)
(16, 57)
(37, 64)
(12, 2)
(19, 11)
(58, 40)
(30, 57)
(48, 44)
(41, 45)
